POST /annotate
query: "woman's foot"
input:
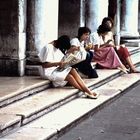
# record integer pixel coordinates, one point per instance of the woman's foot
(125, 70)
(92, 96)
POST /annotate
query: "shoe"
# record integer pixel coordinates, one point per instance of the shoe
(91, 96)
(123, 70)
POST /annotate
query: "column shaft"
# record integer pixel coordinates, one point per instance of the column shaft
(96, 11)
(12, 37)
(42, 25)
(129, 18)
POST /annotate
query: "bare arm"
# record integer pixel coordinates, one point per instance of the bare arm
(106, 44)
(108, 37)
(73, 48)
(52, 64)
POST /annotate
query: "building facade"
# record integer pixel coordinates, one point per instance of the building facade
(27, 25)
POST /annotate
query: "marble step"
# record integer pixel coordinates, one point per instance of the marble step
(45, 101)
(134, 49)
(15, 88)
(60, 120)
(24, 87)
(130, 40)
(28, 85)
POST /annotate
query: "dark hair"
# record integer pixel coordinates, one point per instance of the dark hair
(83, 30)
(63, 43)
(104, 26)
(107, 19)
(102, 29)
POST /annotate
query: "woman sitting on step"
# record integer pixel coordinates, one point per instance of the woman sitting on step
(79, 43)
(122, 51)
(51, 57)
(104, 54)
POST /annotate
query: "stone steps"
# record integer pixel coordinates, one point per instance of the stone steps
(30, 86)
(133, 50)
(17, 114)
(60, 120)
(130, 40)
(20, 87)
(45, 101)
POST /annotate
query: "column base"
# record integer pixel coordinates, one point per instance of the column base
(132, 39)
(125, 34)
(9, 67)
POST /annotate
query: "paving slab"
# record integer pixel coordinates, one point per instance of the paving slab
(11, 87)
(31, 134)
(8, 120)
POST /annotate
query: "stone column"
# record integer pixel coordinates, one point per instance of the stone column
(22, 37)
(42, 25)
(12, 37)
(96, 10)
(117, 23)
(82, 13)
(129, 18)
(71, 16)
(139, 17)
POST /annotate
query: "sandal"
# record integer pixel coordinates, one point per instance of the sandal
(91, 96)
(123, 70)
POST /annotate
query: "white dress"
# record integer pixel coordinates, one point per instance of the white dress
(51, 54)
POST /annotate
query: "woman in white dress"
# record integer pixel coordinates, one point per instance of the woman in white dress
(51, 57)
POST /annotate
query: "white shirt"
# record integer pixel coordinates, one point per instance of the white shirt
(77, 43)
(51, 54)
(95, 39)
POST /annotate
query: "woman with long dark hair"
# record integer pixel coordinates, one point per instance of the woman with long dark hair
(122, 51)
(104, 54)
(51, 58)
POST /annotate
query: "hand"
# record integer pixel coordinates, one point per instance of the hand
(110, 40)
(76, 48)
(73, 49)
(122, 45)
(62, 64)
(89, 46)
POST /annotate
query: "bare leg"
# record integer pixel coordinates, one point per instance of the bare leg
(123, 68)
(81, 82)
(73, 82)
(124, 54)
(131, 65)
